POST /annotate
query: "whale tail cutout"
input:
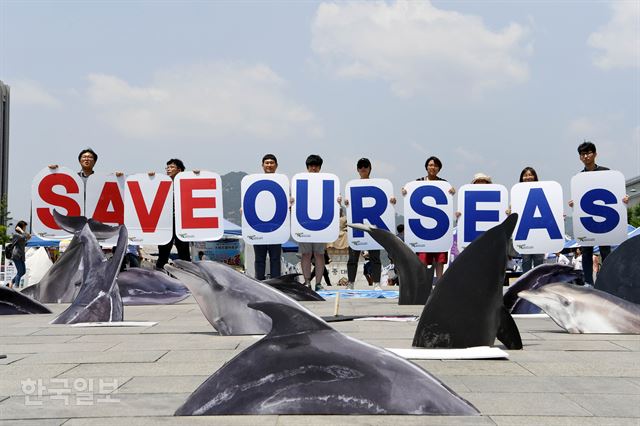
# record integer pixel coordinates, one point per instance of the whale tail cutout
(287, 320)
(74, 224)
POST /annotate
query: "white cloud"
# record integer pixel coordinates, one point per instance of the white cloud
(419, 48)
(619, 39)
(203, 102)
(27, 92)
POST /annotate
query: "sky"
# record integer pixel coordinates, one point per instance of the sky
(486, 86)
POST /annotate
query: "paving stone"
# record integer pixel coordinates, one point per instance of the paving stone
(165, 384)
(605, 405)
(557, 379)
(39, 371)
(563, 335)
(30, 340)
(17, 331)
(601, 356)
(610, 368)
(383, 420)
(19, 385)
(119, 405)
(67, 330)
(532, 404)
(571, 345)
(632, 345)
(520, 384)
(562, 421)
(91, 357)
(142, 369)
(171, 420)
(207, 355)
(472, 368)
(593, 385)
(56, 347)
(11, 358)
(174, 343)
(39, 422)
(526, 355)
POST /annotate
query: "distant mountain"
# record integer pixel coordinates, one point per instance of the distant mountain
(231, 195)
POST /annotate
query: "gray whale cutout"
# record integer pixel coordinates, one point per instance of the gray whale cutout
(98, 299)
(289, 285)
(585, 310)
(466, 307)
(535, 278)
(140, 286)
(303, 366)
(224, 294)
(60, 283)
(13, 303)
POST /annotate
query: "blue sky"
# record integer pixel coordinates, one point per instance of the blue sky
(485, 86)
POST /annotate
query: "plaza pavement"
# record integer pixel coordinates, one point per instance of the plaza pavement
(140, 375)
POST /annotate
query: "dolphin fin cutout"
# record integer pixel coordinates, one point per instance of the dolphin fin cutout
(620, 273)
(287, 320)
(415, 279)
(508, 332)
(464, 309)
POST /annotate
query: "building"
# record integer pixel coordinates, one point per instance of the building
(4, 140)
(633, 190)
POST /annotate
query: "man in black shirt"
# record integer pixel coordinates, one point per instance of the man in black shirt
(588, 154)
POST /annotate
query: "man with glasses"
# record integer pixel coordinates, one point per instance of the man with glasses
(269, 165)
(174, 166)
(587, 152)
(364, 170)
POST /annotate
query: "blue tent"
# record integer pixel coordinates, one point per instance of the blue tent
(36, 241)
(231, 228)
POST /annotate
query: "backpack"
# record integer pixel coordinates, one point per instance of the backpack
(8, 250)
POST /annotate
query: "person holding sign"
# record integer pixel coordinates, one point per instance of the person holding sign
(363, 167)
(433, 165)
(315, 250)
(87, 159)
(174, 166)
(587, 154)
(530, 261)
(269, 165)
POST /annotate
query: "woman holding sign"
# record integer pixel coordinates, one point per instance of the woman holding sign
(530, 261)
(18, 245)
(433, 165)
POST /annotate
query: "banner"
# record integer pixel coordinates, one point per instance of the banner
(198, 206)
(482, 206)
(315, 212)
(540, 227)
(148, 208)
(428, 213)
(369, 204)
(60, 189)
(599, 215)
(265, 208)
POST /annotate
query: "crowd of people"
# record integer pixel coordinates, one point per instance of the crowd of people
(315, 253)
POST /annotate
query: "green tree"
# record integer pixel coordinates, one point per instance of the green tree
(5, 219)
(633, 215)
